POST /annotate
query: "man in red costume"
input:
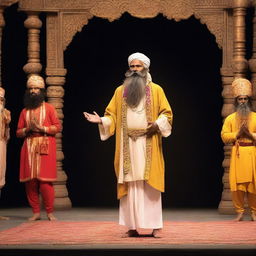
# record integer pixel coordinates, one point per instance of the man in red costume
(38, 124)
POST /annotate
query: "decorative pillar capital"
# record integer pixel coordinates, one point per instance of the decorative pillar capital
(33, 21)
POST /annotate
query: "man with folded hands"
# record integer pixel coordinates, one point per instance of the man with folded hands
(239, 129)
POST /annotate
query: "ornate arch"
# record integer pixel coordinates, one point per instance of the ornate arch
(225, 19)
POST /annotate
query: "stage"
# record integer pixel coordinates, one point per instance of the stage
(95, 231)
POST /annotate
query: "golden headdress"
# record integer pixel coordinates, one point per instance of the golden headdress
(241, 86)
(35, 81)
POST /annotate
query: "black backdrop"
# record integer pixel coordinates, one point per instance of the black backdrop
(185, 61)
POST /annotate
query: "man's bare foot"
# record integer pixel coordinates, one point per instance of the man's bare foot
(239, 216)
(157, 233)
(131, 233)
(35, 217)
(4, 218)
(51, 217)
(253, 216)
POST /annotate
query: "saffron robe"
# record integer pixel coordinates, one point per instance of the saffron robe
(157, 105)
(33, 162)
(243, 158)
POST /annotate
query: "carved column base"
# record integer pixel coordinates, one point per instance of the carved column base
(226, 207)
(61, 200)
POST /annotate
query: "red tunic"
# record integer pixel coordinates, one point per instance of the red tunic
(35, 161)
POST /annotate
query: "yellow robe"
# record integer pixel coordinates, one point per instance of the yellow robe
(243, 159)
(159, 106)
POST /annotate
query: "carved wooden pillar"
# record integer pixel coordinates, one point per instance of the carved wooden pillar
(2, 24)
(226, 206)
(240, 64)
(56, 73)
(55, 93)
(252, 61)
(239, 67)
(33, 24)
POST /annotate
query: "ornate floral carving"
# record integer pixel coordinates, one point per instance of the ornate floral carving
(212, 3)
(52, 40)
(178, 10)
(65, 4)
(214, 22)
(72, 23)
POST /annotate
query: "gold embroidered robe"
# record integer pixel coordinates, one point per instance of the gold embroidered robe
(157, 105)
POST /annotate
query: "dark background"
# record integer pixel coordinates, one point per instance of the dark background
(185, 61)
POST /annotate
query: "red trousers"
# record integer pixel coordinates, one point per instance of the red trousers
(33, 187)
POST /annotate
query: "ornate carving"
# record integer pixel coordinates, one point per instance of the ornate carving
(55, 91)
(52, 52)
(72, 23)
(127, 5)
(214, 22)
(80, 4)
(178, 10)
(31, 4)
(213, 3)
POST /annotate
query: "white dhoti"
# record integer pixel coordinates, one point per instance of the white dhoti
(141, 207)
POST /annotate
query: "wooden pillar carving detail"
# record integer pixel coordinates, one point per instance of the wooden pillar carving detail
(33, 24)
(55, 80)
(55, 93)
(240, 64)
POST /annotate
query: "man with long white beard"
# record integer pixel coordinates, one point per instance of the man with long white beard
(5, 119)
(239, 129)
(38, 124)
(139, 114)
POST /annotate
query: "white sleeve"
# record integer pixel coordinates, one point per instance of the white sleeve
(164, 125)
(104, 128)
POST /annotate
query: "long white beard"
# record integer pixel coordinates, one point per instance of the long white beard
(135, 84)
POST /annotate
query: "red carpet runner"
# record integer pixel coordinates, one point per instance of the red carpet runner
(62, 232)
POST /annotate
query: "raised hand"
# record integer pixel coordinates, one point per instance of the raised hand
(93, 118)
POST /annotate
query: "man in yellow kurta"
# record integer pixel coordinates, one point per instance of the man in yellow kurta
(239, 129)
(139, 114)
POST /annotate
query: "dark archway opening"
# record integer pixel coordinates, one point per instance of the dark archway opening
(185, 61)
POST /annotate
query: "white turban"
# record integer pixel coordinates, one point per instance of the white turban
(139, 56)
